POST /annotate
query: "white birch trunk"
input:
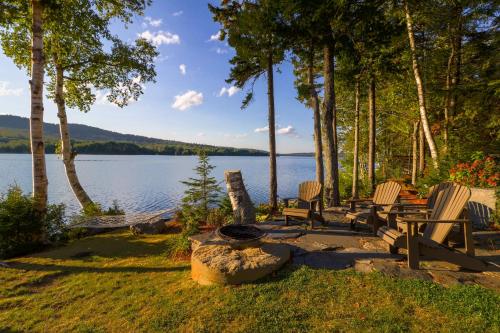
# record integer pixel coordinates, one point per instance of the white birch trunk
(40, 182)
(420, 88)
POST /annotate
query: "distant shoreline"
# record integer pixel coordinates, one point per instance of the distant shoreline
(210, 154)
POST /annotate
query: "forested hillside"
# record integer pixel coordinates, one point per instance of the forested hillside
(14, 138)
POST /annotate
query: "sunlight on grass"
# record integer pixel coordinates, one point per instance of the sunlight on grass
(118, 282)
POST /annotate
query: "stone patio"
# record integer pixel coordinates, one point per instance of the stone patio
(335, 246)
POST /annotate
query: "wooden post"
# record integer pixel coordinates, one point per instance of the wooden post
(243, 209)
(469, 242)
(374, 219)
(412, 246)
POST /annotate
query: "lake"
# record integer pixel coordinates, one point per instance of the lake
(144, 183)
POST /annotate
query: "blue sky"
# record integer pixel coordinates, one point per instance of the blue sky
(190, 101)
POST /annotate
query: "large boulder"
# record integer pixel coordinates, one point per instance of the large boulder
(219, 263)
(151, 227)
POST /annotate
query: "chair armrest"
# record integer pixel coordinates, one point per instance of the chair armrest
(402, 204)
(312, 200)
(407, 220)
(359, 200)
(403, 213)
(380, 205)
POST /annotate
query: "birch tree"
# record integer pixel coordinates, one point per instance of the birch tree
(420, 87)
(78, 65)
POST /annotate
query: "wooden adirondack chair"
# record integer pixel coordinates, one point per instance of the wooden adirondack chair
(448, 206)
(308, 197)
(385, 196)
(408, 209)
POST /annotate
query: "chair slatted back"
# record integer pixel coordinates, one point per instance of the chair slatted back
(309, 190)
(433, 192)
(387, 194)
(449, 205)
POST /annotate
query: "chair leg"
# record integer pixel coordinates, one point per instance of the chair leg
(353, 224)
(286, 219)
(375, 226)
(412, 246)
(469, 242)
(393, 249)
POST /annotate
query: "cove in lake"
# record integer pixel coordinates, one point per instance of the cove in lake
(143, 183)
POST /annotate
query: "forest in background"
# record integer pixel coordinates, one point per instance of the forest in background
(14, 138)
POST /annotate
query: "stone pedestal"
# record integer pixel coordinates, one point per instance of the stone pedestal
(218, 263)
(243, 210)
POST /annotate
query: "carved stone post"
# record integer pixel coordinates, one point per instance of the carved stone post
(243, 209)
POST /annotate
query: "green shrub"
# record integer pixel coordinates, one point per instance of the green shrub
(178, 245)
(226, 208)
(95, 209)
(77, 233)
(263, 211)
(433, 176)
(216, 217)
(22, 230)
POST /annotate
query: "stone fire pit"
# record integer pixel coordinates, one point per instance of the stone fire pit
(240, 236)
(236, 254)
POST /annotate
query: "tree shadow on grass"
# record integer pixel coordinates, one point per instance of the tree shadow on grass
(9, 330)
(107, 246)
(68, 269)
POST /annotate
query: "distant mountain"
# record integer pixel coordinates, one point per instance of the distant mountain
(77, 131)
(14, 134)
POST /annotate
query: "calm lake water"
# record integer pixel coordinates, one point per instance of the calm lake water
(147, 183)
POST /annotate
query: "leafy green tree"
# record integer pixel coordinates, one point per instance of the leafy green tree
(303, 42)
(252, 28)
(77, 62)
(201, 193)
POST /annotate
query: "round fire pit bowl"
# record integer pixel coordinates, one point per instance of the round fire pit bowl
(241, 236)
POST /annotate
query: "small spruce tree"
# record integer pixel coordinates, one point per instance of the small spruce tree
(201, 193)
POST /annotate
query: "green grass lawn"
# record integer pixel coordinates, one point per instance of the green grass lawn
(120, 283)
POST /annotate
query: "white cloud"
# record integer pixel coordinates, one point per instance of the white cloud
(289, 130)
(6, 91)
(101, 98)
(201, 134)
(262, 129)
(182, 68)
(215, 37)
(187, 100)
(179, 13)
(229, 91)
(220, 50)
(152, 22)
(160, 37)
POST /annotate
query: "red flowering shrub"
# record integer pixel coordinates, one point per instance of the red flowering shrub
(482, 172)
